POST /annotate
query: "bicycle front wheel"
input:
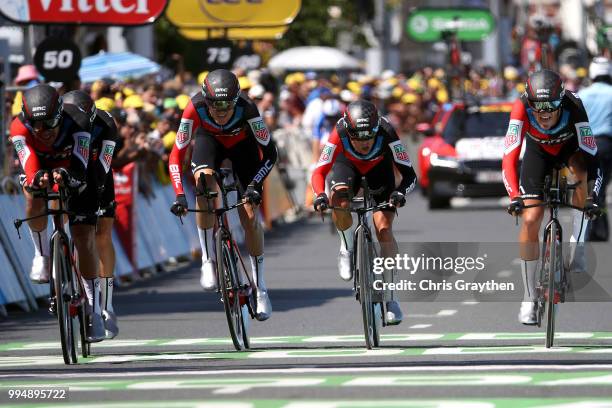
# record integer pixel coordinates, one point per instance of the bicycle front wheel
(227, 272)
(64, 291)
(553, 264)
(370, 317)
(79, 306)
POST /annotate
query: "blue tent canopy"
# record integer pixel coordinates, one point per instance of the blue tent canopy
(119, 65)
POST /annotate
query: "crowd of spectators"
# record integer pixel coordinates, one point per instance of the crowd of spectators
(148, 111)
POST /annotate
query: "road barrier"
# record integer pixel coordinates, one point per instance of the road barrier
(160, 236)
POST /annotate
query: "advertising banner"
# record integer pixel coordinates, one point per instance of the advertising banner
(469, 24)
(258, 33)
(104, 12)
(232, 13)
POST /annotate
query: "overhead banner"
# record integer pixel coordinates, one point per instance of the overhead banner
(259, 33)
(105, 12)
(232, 13)
(428, 24)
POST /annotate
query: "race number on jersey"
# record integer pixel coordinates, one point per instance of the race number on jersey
(586, 140)
(260, 130)
(400, 155)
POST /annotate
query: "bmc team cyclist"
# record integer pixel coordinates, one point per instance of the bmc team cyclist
(46, 138)
(233, 129)
(104, 139)
(556, 128)
(364, 144)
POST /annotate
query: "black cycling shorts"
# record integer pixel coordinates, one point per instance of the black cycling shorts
(108, 196)
(381, 175)
(245, 157)
(538, 163)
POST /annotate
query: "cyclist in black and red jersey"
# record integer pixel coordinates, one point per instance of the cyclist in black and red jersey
(104, 142)
(555, 128)
(52, 147)
(364, 144)
(231, 128)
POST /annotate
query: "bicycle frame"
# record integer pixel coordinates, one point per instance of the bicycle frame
(66, 308)
(233, 290)
(553, 281)
(372, 311)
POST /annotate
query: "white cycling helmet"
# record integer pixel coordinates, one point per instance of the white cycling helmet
(600, 66)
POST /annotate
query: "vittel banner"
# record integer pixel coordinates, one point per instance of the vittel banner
(106, 12)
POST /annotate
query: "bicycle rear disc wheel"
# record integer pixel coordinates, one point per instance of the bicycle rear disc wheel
(229, 283)
(364, 263)
(550, 290)
(63, 295)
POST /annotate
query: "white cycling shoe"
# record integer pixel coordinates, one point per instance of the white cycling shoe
(527, 314)
(208, 278)
(394, 314)
(344, 264)
(40, 269)
(95, 331)
(110, 324)
(264, 306)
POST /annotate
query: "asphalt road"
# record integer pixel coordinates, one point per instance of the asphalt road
(174, 349)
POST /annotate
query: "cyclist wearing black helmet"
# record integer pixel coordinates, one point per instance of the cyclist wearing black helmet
(45, 139)
(556, 130)
(231, 128)
(364, 144)
(104, 141)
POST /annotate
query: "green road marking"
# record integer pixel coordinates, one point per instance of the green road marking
(346, 353)
(242, 384)
(355, 338)
(346, 403)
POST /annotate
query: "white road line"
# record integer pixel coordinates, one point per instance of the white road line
(420, 326)
(447, 312)
(441, 313)
(321, 370)
(470, 302)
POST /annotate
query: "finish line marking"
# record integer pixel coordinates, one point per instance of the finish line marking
(354, 338)
(322, 370)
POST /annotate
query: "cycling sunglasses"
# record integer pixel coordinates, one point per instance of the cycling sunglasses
(46, 124)
(364, 134)
(221, 105)
(548, 106)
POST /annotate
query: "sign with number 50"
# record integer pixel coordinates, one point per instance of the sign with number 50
(58, 59)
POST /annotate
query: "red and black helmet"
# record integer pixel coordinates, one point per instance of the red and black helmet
(361, 120)
(221, 89)
(42, 103)
(544, 91)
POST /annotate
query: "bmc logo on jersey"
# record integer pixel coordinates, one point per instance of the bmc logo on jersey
(183, 136)
(586, 140)
(260, 130)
